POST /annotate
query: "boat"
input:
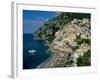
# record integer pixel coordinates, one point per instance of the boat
(32, 51)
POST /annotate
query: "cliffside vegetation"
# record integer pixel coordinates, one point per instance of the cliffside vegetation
(69, 34)
(57, 23)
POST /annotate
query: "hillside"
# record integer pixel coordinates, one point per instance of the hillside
(73, 44)
(69, 35)
(57, 23)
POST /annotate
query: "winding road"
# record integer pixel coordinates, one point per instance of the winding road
(49, 61)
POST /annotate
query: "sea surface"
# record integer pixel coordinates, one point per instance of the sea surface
(32, 60)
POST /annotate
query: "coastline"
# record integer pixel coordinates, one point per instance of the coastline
(49, 61)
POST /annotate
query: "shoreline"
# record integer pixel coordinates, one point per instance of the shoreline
(49, 61)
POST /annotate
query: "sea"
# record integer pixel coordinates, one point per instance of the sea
(33, 60)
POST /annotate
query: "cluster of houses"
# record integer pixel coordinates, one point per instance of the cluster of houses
(67, 38)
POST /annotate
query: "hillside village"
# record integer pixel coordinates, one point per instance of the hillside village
(68, 35)
(67, 44)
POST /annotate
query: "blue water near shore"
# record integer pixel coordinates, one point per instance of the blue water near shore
(31, 61)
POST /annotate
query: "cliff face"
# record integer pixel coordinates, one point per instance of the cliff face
(69, 35)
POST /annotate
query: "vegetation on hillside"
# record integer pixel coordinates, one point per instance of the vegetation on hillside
(69, 34)
(47, 31)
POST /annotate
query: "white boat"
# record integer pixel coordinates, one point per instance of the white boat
(32, 51)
